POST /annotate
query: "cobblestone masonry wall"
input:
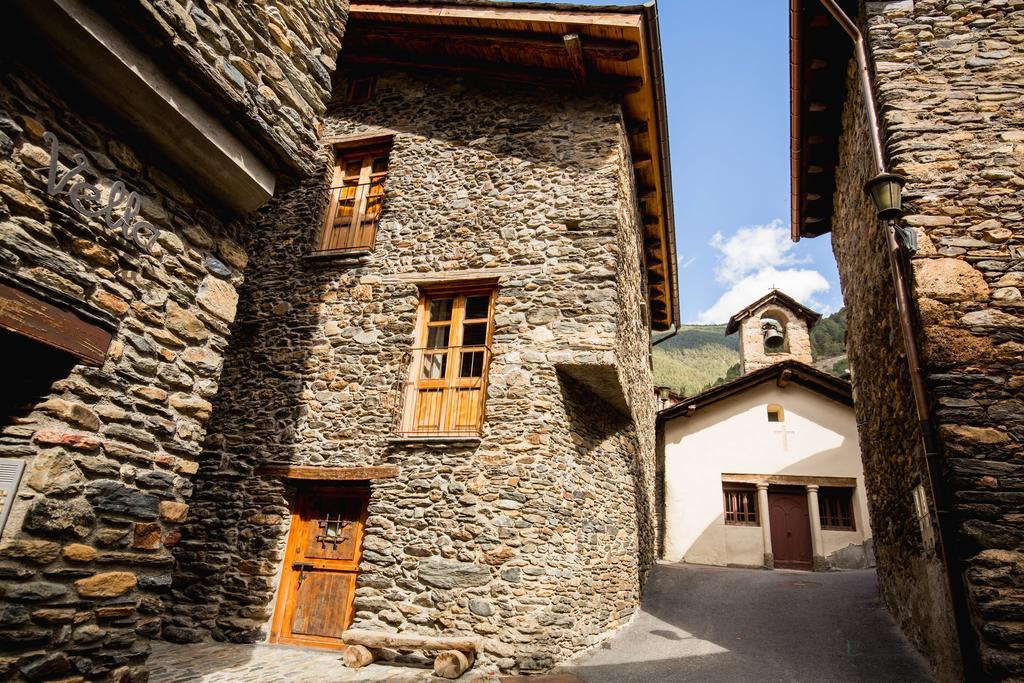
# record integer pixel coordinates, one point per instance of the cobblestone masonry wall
(531, 537)
(268, 63)
(910, 576)
(110, 450)
(952, 97)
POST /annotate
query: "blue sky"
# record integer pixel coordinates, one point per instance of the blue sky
(727, 77)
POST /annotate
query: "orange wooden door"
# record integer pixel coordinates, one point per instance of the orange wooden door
(318, 582)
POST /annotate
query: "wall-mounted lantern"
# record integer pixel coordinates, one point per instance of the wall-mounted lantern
(886, 190)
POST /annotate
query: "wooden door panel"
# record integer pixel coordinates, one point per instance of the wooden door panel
(469, 404)
(331, 532)
(314, 604)
(321, 604)
(791, 530)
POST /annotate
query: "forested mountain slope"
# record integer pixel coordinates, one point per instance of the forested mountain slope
(701, 356)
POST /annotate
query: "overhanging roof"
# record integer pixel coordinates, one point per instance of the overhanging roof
(819, 52)
(611, 50)
(783, 373)
(783, 300)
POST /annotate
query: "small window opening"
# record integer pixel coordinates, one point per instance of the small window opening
(776, 414)
(361, 89)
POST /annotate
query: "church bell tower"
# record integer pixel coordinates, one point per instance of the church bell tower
(773, 329)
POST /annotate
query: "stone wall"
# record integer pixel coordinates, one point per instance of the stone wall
(910, 577)
(109, 450)
(536, 538)
(948, 81)
(265, 65)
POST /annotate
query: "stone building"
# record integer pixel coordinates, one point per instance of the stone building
(437, 412)
(132, 145)
(765, 470)
(947, 77)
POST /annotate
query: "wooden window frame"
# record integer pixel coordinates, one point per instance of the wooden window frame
(356, 230)
(751, 491)
(775, 408)
(361, 89)
(453, 382)
(832, 516)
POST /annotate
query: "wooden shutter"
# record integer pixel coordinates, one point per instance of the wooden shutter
(10, 476)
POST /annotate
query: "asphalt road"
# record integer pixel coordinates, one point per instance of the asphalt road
(718, 624)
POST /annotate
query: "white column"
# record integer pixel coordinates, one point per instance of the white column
(766, 525)
(817, 544)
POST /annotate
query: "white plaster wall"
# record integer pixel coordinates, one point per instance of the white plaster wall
(734, 436)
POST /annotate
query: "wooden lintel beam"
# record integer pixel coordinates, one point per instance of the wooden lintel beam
(313, 473)
(371, 34)
(574, 51)
(52, 325)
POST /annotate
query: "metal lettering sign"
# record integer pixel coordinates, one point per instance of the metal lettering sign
(87, 198)
(10, 476)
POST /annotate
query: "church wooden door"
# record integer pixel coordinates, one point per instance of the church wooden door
(791, 529)
(318, 580)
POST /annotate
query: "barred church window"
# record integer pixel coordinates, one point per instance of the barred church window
(740, 505)
(835, 507)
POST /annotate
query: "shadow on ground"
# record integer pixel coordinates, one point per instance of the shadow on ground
(719, 624)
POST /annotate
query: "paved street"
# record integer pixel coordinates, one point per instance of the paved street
(224, 663)
(718, 624)
(698, 624)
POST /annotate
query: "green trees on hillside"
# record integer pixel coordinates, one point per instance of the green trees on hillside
(701, 356)
(828, 338)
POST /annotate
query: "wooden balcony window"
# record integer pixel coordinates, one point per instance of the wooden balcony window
(835, 508)
(446, 388)
(740, 505)
(354, 202)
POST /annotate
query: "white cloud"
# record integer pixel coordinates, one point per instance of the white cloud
(752, 261)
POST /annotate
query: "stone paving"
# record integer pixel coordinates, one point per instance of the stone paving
(229, 663)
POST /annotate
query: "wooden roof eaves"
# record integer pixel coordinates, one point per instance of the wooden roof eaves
(610, 15)
(816, 40)
(653, 33)
(811, 316)
(829, 386)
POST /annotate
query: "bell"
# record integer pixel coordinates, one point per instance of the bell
(773, 339)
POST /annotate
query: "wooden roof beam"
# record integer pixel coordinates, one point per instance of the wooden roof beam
(363, 32)
(613, 85)
(574, 51)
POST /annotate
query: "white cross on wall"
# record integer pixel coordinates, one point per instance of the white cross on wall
(785, 435)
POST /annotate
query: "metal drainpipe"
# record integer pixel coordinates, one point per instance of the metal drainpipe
(940, 495)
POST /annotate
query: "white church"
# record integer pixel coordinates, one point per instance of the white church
(765, 470)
